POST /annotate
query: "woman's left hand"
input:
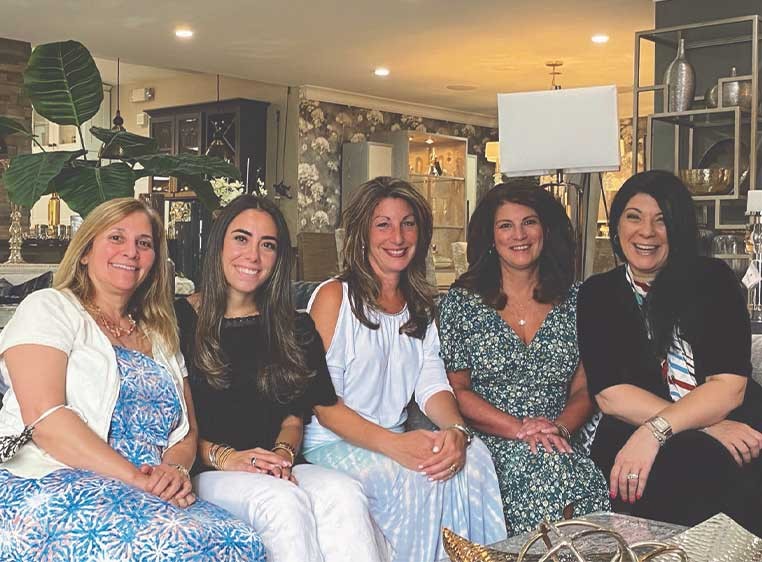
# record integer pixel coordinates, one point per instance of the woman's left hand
(169, 484)
(542, 431)
(632, 465)
(449, 455)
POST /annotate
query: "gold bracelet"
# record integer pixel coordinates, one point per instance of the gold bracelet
(181, 469)
(563, 431)
(224, 456)
(218, 454)
(283, 446)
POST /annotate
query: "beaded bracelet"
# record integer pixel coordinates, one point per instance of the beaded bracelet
(283, 446)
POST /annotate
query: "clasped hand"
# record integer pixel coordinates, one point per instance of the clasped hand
(440, 455)
(168, 483)
(260, 461)
(542, 430)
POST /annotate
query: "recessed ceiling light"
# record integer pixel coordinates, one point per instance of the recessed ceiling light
(381, 71)
(600, 38)
(461, 87)
(184, 33)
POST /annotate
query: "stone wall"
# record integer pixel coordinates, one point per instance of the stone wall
(13, 103)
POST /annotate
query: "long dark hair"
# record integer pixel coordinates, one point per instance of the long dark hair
(670, 300)
(556, 262)
(285, 377)
(364, 287)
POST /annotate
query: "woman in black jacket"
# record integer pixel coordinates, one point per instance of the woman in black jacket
(665, 340)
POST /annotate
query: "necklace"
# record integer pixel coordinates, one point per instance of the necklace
(521, 313)
(113, 328)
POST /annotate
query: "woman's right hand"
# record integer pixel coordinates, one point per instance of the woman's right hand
(412, 448)
(741, 440)
(256, 460)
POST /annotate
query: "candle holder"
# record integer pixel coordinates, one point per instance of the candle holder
(15, 230)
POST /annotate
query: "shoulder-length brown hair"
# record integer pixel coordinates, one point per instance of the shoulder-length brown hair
(285, 377)
(364, 287)
(556, 262)
(151, 303)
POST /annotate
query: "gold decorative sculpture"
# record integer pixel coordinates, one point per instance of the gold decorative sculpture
(562, 546)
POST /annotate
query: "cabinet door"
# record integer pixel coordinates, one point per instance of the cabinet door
(163, 130)
(189, 134)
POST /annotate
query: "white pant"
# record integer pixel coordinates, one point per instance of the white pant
(324, 518)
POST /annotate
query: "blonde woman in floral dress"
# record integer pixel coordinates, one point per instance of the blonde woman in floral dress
(509, 342)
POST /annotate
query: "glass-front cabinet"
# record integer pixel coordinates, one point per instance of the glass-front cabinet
(436, 166)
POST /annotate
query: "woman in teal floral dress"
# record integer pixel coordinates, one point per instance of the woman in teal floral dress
(509, 342)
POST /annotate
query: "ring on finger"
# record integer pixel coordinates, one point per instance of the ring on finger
(253, 461)
(633, 476)
(453, 468)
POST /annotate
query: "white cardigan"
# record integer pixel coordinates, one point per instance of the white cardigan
(57, 319)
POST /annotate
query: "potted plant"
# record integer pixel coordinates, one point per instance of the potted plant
(65, 87)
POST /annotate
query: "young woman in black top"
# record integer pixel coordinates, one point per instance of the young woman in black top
(666, 345)
(257, 369)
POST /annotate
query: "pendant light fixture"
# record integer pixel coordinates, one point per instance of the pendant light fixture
(219, 146)
(109, 150)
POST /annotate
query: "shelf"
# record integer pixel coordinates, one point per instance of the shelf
(436, 178)
(715, 117)
(731, 31)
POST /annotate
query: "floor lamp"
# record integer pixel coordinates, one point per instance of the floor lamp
(560, 132)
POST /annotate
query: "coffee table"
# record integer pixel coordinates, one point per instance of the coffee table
(632, 529)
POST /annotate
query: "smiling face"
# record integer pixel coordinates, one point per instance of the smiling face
(249, 251)
(643, 237)
(121, 256)
(393, 236)
(518, 236)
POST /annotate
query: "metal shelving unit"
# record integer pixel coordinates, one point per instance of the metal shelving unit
(690, 129)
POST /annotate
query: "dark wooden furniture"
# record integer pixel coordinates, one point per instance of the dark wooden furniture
(240, 127)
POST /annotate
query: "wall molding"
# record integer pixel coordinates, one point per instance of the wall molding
(354, 99)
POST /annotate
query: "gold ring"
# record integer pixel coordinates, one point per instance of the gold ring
(453, 468)
(633, 476)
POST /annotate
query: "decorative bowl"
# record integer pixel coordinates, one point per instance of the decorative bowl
(708, 181)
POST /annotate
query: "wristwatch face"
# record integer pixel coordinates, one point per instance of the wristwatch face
(661, 425)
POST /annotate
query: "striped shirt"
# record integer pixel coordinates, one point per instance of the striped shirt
(677, 368)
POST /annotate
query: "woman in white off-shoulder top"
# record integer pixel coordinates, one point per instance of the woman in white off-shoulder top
(376, 321)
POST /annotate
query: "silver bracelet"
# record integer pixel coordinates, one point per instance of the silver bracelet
(467, 433)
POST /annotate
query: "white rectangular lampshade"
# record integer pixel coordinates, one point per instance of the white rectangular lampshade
(576, 130)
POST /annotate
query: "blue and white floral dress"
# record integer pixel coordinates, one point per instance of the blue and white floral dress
(77, 515)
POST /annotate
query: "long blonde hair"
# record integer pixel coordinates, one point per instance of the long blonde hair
(151, 303)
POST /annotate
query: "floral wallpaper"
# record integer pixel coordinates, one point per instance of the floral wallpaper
(324, 127)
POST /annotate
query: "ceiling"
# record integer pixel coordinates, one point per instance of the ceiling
(492, 45)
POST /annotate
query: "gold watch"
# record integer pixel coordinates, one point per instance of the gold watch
(660, 428)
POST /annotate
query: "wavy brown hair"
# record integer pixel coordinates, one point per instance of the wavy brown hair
(151, 303)
(285, 378)
(556, 262)
(364, 287)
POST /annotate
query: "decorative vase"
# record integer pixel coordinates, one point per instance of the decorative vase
(680, 80)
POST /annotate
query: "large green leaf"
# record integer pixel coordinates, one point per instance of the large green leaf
(129, 144)
(9, 126)
(203, 190)
(186, 165)
(87, 188)
(29, 176)
(63, 82)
